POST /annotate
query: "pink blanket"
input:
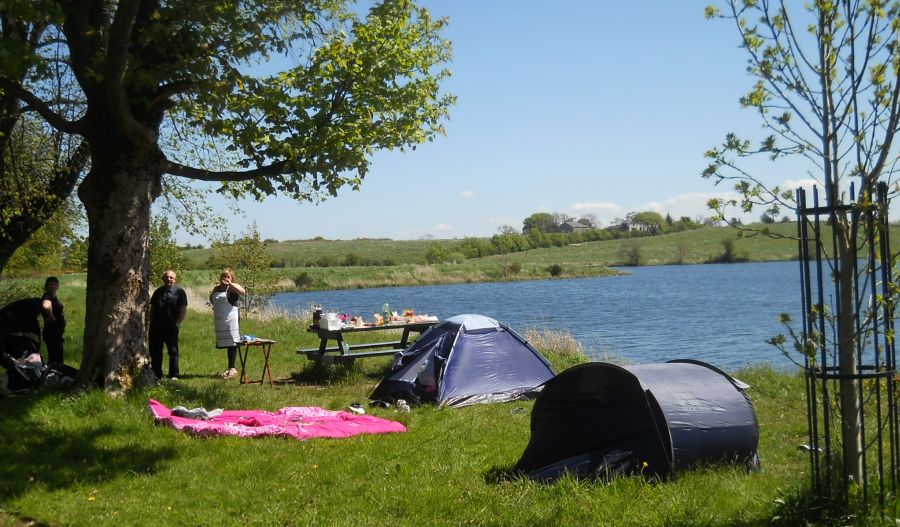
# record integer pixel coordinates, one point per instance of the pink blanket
(294, 421)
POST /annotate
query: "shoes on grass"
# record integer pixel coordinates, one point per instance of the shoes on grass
(230, 373)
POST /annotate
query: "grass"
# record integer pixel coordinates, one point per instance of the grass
(579, 260)
(86, 459)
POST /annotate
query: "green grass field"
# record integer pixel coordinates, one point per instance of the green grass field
(86, 459)
(408, 267)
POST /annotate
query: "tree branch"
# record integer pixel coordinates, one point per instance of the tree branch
(166, 91)
(177, 169)
(117, 65)
(54, 119)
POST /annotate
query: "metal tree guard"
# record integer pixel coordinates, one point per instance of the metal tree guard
(872, 314)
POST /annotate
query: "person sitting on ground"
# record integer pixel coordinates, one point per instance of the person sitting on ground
(224, 298)
(54, 322)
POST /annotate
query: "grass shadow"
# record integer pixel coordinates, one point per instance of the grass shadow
(40, 456)
(499, 475)
(318, 374)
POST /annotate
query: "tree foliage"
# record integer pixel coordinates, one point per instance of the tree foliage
(259, 96)
(247, 257)
(540, 221)
(648, 221)
(826, 89)
(164, 251)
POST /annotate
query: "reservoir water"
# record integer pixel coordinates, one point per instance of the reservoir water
(718, 313)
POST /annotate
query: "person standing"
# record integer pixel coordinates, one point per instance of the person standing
(168, 307)
(224, 298)
(54, 321)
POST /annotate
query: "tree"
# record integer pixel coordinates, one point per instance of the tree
(540, 221)
(647, 221)
(48, 247)
(39, 166)
(164, 251)
(151, 73)
(589, 220)
(827, 89)
(247, 257)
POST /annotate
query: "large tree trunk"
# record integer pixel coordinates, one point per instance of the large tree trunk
(117, 195)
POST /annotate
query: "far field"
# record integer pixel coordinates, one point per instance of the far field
(294, 261)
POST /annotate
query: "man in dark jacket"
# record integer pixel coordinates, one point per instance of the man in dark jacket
(168, 306)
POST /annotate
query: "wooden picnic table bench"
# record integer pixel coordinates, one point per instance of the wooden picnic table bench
(344, 352)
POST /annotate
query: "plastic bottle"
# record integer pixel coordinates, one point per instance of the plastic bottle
(386, 313)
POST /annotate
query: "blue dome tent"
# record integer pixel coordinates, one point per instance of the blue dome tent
(598, 420)
(466, 359)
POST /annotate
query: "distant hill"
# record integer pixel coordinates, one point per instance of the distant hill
(348, 264)
(688, 247)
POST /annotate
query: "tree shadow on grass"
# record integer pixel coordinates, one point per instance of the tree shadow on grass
(45, 456)
(318, 374)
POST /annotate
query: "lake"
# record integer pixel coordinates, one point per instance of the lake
(718, 313)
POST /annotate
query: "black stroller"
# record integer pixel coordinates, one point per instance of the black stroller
(20, 356)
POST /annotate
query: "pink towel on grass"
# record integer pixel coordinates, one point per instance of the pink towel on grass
(301, 422)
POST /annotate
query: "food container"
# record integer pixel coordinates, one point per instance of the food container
(330, 321)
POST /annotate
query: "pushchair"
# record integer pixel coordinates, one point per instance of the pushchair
(20, 356)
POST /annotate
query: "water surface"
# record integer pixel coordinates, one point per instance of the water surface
(718, 313)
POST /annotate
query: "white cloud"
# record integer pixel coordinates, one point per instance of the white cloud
(801, 183)
(440, 230)
(467, 194)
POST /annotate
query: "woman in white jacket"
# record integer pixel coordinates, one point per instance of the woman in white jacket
(224, 299)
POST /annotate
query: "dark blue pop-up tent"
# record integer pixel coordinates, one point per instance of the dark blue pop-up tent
(466, 359)
(599, 420)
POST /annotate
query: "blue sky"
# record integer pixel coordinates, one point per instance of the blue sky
(578, 107)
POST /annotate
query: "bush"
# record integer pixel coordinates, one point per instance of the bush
(326, 260)
(436, 253)
(630, 252)
(303, 280)
(513, 268)
(554, 270)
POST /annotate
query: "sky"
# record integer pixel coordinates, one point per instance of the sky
(576, 107)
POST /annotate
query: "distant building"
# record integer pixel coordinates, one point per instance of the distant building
(573, 226)
(619, 227)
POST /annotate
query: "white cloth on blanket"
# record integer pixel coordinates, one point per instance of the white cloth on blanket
(227, 320)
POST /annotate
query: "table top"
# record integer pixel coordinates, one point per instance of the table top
(393, 325)
(255, 342)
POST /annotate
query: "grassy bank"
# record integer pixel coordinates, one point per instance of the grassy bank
(580, 260)
(84, 459)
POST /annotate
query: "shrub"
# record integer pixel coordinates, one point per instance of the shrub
(630, 252)
(436, 253)
(303, 280)
(554, 270)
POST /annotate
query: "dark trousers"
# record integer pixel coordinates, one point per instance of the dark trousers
(167, 335)
(53, 339)
(232, 356)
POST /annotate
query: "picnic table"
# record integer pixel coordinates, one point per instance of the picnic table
(343, 352)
